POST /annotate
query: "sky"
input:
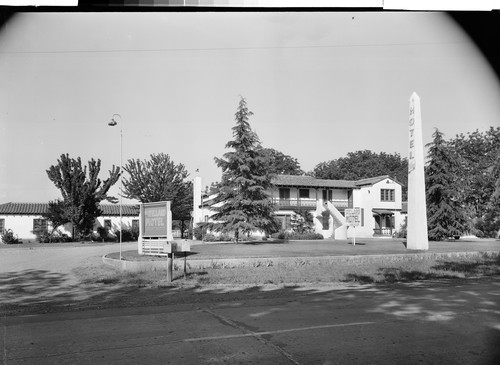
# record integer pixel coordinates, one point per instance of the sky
(320, 85)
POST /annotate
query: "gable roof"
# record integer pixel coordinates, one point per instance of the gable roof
(309, 181)
(374, 180)
(41, 208)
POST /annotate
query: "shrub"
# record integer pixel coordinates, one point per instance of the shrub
(128, 235)
(287, 235)
(281, 235)
(9, 238)
(103, 233)
(209, 237)
(402, 230)
(43, 237)
(304, 236)
(198, 233)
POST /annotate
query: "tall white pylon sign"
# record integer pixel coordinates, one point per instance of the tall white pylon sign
(416, 230)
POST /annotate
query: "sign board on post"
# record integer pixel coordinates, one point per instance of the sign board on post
(156, 220)
(155, 228)
(353, 218)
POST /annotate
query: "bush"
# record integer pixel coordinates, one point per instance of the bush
(103, 233)
(287, 235)
(43, 237)
(57, 236)
(281, 235)
(209, 237)
(128, 235)
(198, 233)
(305, 236)
(9, 238)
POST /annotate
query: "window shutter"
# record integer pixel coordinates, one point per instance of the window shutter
(362, 217)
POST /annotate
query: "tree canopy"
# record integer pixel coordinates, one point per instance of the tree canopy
(81, 193)
(244, 202)
(364, 164)
(281, 164)
(479, 156)
(446, 215)
(160, 179)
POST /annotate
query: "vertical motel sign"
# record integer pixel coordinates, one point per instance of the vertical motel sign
(353, 218)
(416, 232)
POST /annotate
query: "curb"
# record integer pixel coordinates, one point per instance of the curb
(229, 263)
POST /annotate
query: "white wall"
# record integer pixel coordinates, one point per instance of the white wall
(368, 198)
(22, 225)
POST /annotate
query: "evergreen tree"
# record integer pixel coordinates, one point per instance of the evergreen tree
(445, 191)
(81, 193)
(244, 202)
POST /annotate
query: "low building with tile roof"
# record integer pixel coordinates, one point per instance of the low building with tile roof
(379, 199)
(24, 218)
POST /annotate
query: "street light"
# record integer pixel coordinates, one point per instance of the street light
(112, 124)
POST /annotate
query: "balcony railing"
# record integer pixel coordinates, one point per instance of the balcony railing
(382, 231)
(307, 203)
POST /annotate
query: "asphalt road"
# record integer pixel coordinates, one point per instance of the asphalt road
(448, 322)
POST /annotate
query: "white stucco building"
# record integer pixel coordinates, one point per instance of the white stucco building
(379, 199)
(24, 218)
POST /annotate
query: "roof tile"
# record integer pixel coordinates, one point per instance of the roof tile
(41, 208)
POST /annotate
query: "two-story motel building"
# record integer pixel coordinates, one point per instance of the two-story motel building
(379, 199)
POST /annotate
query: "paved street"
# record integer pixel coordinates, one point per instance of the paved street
(422, 323)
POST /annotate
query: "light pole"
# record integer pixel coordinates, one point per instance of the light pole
(112, 124)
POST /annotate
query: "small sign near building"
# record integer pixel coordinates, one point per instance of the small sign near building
(353, 217)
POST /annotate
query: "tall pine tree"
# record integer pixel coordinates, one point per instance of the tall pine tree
(445, 208)
(245, 204)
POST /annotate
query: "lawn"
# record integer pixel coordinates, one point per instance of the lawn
(298, 271)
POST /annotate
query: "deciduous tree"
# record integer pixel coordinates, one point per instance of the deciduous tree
(81, 193)
(160, 179)
(56, 215)
(364, 164)
(479, 153)
(281, 164)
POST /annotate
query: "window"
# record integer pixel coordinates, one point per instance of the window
(285, 221)
(135, 225)
(107, 224)
(2, 225)
(304, 193)
(328, 195)
(39, 226)
(284, 193)
(387, 195)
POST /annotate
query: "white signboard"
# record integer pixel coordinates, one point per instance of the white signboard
(353, 217)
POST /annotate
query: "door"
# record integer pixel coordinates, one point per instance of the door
(327, 195)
